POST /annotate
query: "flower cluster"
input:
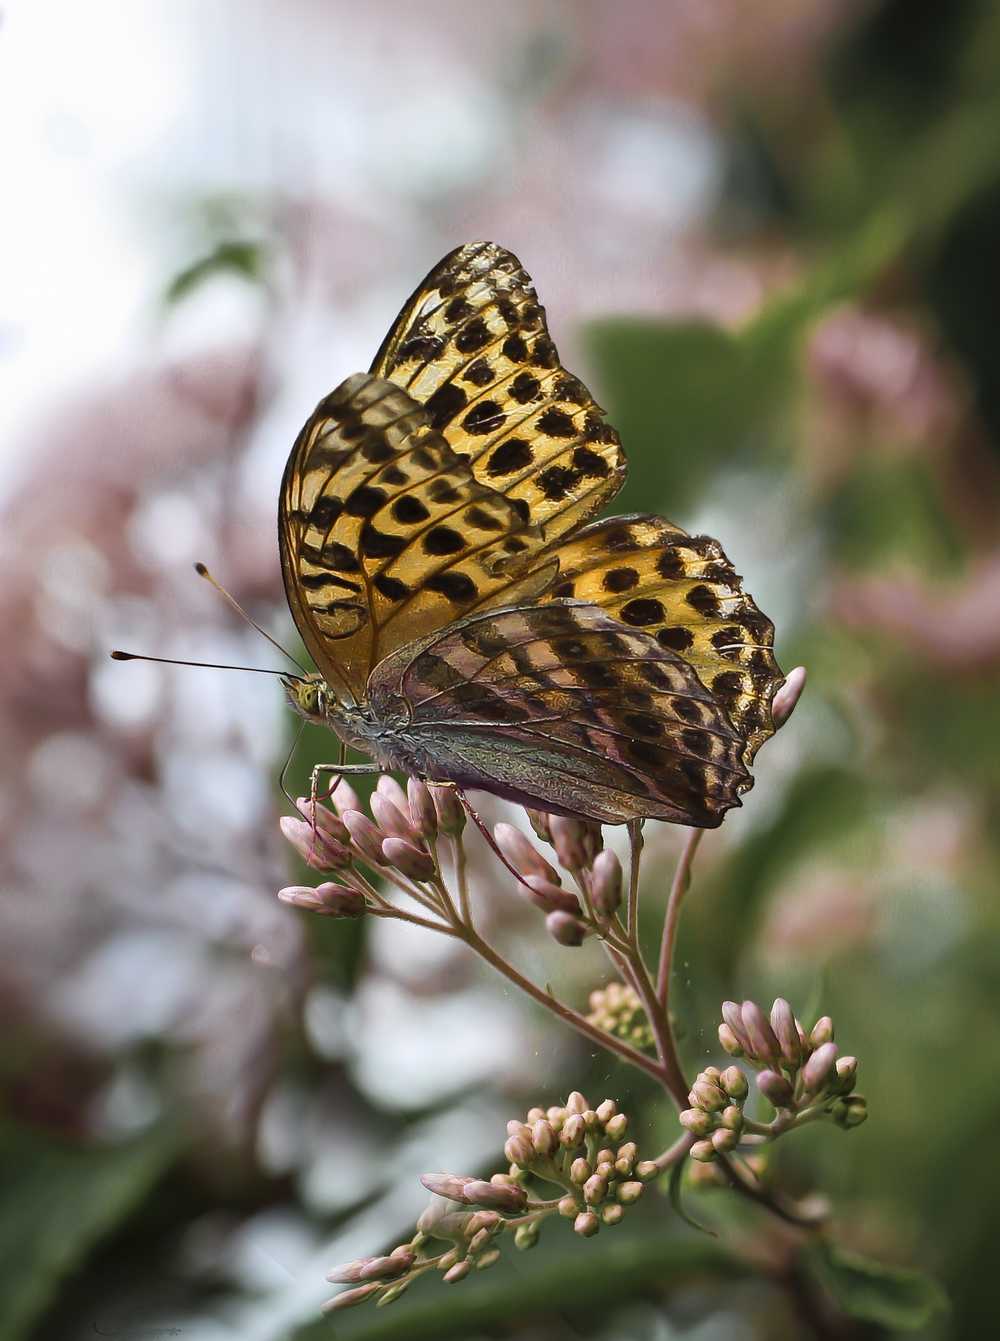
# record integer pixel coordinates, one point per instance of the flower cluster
(618, 1010)
(800, 1074)
(578, 1151)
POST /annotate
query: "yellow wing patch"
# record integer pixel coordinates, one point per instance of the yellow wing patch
(471, 344)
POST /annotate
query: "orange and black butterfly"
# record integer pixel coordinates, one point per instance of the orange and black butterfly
(470, 622)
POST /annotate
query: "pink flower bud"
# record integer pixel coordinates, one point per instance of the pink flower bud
(315, 849)
(606, 883)
(570, 840)
(338, 901)
(407, 858)
(586, 1224)
(365, 836)
(423, 816)
(565, 929)
(349, 1298)
(450, 814)
(458, 1272)
(783, 1024)
(344, 797)
(543, 1137)
(763, 1043)
(729, 1041)
(549, 897)
(388, 787)
(300, 896)
(519, 1150)
(387, 1268)
(494, 1196)
(817, 1069)
(448, 1185)
(775, 1088)
(784, 701)
(733, 1017)
(391, 820)
(522, 853)
(348, 1273)
(324, 820)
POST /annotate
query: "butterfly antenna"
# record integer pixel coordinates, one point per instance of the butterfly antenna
(116, 655)
(202, 571)
(285, 766)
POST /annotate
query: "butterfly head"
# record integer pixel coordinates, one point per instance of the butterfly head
(310, 696)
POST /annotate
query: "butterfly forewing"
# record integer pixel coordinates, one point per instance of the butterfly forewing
(472, 345)
(684, 592)
(561, 706)
(385, 532)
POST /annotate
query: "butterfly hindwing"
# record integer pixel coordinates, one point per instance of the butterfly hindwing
(683, 592)
(385, 532)
(472, 345)
(561, 706)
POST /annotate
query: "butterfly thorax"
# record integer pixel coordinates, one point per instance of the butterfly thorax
(380, 734)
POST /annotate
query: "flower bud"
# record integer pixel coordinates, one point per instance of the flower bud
(628, 1193)
(392, 1294)
(515, 1127)
(407, 859)
(697, 1121)
(487, 1259)
(595, 1189)
(783, 1024)
(317, 850)
(351, 1297)
(448, 1185)
(733, 1017)
(850, 1111)
(479, 1241)
(570, 840)
(732, 1118)
(449, 810)
(703, 1151)
(543, 1138)
(784, 701)
(724, 1139)
(580, 1171)
(817, 1069)
(606, 883)
(420, 806)
(616, 1126)
(391, 820)
(612, 1213)
(477, 1192)
(522, 853)
(568, 1207)
(734, 1082)
(549, 897)
(645, 1171)
(576, 1103)
(586, 1224)
(323, 820)
(847, 1073)
(606, 1109)
(519, 1150)
(707, 1096)
(565, 929)
(572, 1132)
(763, 1044)
(775, 1088)
(627, 1154)
(329, 900)
(387, 1268)
(729, 1041)
(448, 1260)
(483, 1221)
(821, 1032)
(344, 797)
(458, 1272)
(526, 1236)
(365, 836)
(590, 1119)
(348, 1273)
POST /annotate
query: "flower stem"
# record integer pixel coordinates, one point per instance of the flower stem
(678, 888)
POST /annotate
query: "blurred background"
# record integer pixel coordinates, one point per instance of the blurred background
(767, 237)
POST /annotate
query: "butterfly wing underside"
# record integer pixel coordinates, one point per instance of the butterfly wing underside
(562, 707)
(472, 345)
(385, 533)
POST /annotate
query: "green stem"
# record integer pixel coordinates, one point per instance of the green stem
(671, 920)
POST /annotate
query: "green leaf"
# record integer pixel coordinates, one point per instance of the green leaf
(246, 259)
(891, 1296)
(56, 1201)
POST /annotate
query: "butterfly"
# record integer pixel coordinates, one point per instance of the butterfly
(470, 621)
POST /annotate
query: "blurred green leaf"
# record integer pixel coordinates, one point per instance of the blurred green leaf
(57, 1201)
(245, 259)
(874, 1292)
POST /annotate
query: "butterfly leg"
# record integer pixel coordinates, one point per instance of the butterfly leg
(483, 828)
(340, 770)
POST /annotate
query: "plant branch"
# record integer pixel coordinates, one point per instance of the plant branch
(678, 888)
